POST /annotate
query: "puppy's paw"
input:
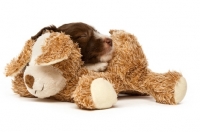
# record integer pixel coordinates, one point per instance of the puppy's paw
(102, 66)
(99, 67)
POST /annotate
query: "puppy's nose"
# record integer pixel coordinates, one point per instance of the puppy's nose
(108, 41)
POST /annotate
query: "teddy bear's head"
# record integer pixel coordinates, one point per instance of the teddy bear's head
(54, 61)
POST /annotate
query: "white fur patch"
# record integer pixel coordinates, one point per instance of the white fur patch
(103, 93)
(48, 81)
(180, 90)
(101, 66)
(37, 47)
(99, 35)
(108, 56)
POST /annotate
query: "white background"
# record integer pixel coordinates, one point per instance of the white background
(169, 32)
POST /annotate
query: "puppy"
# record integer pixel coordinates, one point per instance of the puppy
(96, 48)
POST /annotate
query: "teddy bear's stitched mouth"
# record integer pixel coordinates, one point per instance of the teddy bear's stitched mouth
(41, 89)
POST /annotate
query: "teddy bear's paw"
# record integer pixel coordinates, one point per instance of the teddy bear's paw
(43, 81)
(103, 93)
(180, 90)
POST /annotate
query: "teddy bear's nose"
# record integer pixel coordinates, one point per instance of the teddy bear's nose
(29, 80)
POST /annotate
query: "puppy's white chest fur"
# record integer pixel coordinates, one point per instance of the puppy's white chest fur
(100, 66)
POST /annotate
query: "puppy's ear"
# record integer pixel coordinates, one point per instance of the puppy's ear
(67, 28)
(50, 28)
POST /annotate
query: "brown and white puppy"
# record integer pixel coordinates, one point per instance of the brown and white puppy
(96, 48)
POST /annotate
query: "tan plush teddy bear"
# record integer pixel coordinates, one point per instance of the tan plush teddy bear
(52, 67)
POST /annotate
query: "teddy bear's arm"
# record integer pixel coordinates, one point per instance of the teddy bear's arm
(17, 64)
(97, 90)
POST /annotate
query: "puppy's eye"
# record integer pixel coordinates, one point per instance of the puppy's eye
(81, 36)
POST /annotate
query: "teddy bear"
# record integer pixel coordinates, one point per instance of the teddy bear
(51, 67)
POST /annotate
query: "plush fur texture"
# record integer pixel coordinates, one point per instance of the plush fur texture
(96, 48)
(127, 72)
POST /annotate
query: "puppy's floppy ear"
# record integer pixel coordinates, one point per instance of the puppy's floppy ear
(58, 47)
(17, 64)
(43, 30)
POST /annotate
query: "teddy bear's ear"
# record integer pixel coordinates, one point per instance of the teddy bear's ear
(57, 47)
(111, 31)
(17, 64)
(115, 30)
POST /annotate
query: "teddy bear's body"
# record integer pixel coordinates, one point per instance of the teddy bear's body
(127, 72)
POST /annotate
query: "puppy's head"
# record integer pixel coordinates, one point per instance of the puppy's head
(95, 47)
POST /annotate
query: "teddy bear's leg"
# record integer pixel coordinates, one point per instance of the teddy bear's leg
(180, 90)
(96, 92)
(168, 88)
(19, 86)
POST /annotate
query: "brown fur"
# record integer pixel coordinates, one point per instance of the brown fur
(17, 64)
(127, 72)
(92, 48)
(29, 80)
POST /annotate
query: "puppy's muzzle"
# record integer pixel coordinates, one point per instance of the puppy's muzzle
(108, 41)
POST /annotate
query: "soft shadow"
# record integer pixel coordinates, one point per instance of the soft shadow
(46, 100)
(130, 97)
